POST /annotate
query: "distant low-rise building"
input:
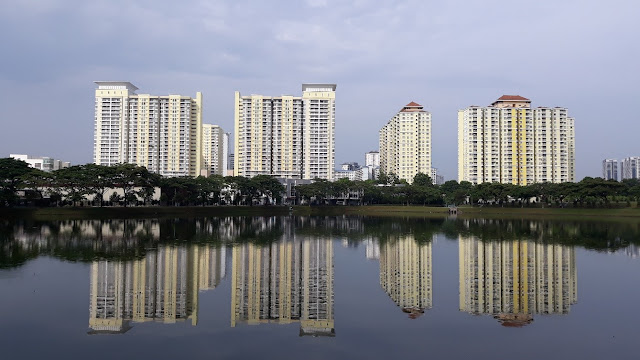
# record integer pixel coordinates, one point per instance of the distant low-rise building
(43, 163)
(352, 175)
(436, 178)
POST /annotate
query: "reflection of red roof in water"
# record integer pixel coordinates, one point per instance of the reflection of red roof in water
(514, 320)
(414, 313)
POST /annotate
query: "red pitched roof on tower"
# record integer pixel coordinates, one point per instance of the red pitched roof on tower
(512, 98)
(412, 107)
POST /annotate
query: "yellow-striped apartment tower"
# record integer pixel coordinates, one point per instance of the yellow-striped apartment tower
(405, 274)
(511, 143)
(161, 133)
(405, 143)
(213, 153)
(513, 280)
(286, 136)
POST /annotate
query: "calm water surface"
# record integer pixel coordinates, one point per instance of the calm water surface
(319, 288)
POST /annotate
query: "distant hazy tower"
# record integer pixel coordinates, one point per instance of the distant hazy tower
(286, 136)
(509, 142)
(372, 158)
(630, 168)
(610, 169)
(213, 151)
(405, 143)
(161, 133)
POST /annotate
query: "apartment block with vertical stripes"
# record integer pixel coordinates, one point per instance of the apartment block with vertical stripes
(161, 133)
(510, 142)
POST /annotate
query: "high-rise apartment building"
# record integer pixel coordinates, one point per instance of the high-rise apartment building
(161, 133)
(405, 143)
(213, 150)
(610, 169)
(630, 168)
(509, 142)
(286, 136)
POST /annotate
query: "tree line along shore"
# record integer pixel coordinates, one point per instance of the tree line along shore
(88, 185)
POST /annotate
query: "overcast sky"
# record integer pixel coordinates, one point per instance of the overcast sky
(445, 55)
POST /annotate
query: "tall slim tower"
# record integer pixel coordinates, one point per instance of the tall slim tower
(213, 146)
(509, 142)
(405, 143)
(286, 136)
(161, 133)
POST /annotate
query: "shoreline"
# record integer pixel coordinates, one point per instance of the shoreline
(79, 213)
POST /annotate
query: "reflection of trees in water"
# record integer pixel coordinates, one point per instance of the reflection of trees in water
(86, 240)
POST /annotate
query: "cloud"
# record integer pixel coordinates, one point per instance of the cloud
(382, 54)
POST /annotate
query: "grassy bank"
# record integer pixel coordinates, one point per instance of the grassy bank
(628, 214)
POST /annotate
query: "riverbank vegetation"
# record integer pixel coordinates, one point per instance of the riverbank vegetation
(94, 185)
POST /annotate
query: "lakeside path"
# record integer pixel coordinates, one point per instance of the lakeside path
(624, 214)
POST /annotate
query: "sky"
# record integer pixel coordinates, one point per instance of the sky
(444, 55)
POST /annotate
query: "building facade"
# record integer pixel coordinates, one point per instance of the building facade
(372, 158)
(43, 163)
(436, 178)
(509, 142)
(213, 150)
(286, 136)
(405, 143)
(161, 133)
(630, 168)
(610, 169)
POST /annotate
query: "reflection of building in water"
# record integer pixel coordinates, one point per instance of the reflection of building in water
(162, 286)
(372, 249)
(513, 280)
(405, 274)
(632, 250)
(284, 282)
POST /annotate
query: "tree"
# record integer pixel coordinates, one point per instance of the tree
(99, 179)
(268, 187)
(421, 179)
(129, 176)
(12, 172)
(72, 183)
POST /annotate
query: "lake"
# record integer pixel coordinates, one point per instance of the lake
(320, 287)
